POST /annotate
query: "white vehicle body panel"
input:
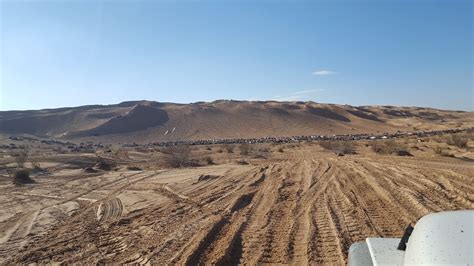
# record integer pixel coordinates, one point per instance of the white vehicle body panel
(445, 238)
(442, 238)
(383, 251)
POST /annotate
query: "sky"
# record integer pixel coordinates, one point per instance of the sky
(386, 52)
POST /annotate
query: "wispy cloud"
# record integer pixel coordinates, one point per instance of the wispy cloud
(307, 91)
(324, 72)
(303, 95)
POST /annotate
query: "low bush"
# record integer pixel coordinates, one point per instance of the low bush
(458, 140)
(440, 151)
(339, 146)
(179, 156)
(245, 149)
(390, 147)
(134, 168)
(229, 148)
(208, 160)
(22, 177)
(21, 157)
(104, 164)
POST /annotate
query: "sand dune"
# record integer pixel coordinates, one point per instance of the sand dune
(152, 121)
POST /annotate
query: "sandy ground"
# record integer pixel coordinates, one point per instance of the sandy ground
(302, 206)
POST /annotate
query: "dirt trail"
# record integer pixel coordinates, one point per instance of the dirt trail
(307, 209)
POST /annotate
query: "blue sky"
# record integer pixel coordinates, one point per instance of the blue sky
(69, 53)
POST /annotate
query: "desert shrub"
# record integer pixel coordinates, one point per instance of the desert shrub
(90, 170)
(208, 160)
(21, 157)
(280, 149)
(242, 162)
(207, 177)
(261, 152)
(245, 149)
(209, 148)
(229, 148)
(35, 164)
(458, 140)
(440, 151)
(381, 147)
(139, 149)
(134, 168)
(390, 147)
(22, 177)
(339, 147)
(123, 154)
(385, 147)
(104, 164)
(179, 156)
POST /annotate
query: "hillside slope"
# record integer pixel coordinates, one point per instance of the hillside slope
(143, 121)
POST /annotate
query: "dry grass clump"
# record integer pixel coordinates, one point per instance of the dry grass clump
(103, 164)
(229, 148)
(35, 163)
(339, 146)
(179, 156)
(257, 151)
(123, 154)
(459, 140)
(22, 177)
(390, 147)
(207, 177)
(208, 160)
(21, 157)
(245, 149)
(440, 151)
(133, 168)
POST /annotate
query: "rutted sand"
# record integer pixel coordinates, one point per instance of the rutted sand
(306, 208)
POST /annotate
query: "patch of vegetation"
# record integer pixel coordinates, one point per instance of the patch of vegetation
(22, 177)
(179, 156)
(104, 164)
(21, 157)
(90, 170)
(459, 140)
(123, 154)
(134, 168)
(440, 151)
(257, 151)
(229, 148)
(339, 146)
(207, 177)
(245, 149)
(208, 160)
(390, 147)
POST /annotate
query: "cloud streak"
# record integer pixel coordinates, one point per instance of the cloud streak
(303, 95)
(324, 73)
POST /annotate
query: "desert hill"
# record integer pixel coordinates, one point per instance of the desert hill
(153, 121)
